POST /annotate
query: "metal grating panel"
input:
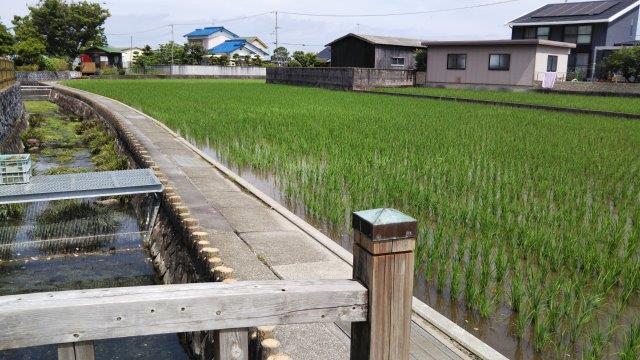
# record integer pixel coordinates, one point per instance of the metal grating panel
(83, 185)
(575, 9)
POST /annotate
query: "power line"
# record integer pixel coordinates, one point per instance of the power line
(402, 13)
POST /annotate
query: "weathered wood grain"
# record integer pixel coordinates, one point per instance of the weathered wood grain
(232, 344)
(82, 315)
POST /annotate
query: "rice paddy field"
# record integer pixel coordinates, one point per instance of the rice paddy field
(630, 105)
(529, 220)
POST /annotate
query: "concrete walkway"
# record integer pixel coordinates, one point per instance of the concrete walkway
(259, 242)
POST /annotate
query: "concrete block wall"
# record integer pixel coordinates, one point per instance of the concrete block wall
(13, 119)
(340, 78)
(632, 89)
(242, 72)
(33, 77)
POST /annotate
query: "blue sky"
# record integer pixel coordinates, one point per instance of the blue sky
(133, 16)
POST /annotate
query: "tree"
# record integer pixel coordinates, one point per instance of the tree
(626, 62)
(280, 56)
(145, 59)
(304, 59)
(421, 59)
(193, 53)
(164, 53)
(6, 41)
(30, 52)
(64, 28)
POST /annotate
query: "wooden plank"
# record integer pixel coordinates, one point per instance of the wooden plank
(84, 350)
(232, 344)
(66, 352)
(82, 315)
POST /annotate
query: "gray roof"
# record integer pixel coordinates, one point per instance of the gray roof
(577, 12)
(506, 42)
(383, 40)
(325, 54)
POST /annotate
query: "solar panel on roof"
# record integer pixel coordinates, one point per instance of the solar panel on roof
(575, 9)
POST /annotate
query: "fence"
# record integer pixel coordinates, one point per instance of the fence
(211, 71)
(343, 78)
(377, 302)
(7, 73)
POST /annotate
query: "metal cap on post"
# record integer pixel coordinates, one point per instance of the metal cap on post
(384, 241)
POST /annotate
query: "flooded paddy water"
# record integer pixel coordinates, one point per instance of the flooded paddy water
(497, 330)
(76, 244)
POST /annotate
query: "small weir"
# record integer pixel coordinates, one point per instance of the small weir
(78, 244)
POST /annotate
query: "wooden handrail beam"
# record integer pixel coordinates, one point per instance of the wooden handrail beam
(84, 315)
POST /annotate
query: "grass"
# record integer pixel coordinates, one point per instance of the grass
(629, 105)
(540, 208)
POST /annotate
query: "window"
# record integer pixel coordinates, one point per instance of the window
(578, 34)
(499, 61)
(552, 63)
(530, 33)
(456, 61)
(582, 61)
(542, 33)
(397, 62)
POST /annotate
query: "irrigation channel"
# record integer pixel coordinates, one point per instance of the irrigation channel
(39, 246)
(496, 331)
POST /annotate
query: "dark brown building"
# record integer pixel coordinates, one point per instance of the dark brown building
(368, 51)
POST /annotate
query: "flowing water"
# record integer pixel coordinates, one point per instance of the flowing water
(98, 250)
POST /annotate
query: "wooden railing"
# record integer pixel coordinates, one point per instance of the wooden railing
(377, 302)
(7, 73)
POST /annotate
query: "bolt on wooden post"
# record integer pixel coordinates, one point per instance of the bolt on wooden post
(384, 241)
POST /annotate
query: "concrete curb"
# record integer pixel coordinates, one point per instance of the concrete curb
(448, 327)
(512, 104)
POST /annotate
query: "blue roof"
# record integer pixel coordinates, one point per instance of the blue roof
(207, 31)
(228, 46)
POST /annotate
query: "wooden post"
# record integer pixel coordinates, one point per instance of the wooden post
(232, 344)
(82, 350)
(384, 241)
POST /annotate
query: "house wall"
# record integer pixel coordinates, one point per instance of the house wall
(128, 55)
(208, 43)
(520, 73)
(623, 29)
(384, 53)
(352, 52)
(542, 57)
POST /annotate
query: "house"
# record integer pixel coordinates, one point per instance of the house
(103, 56)
(255, 41)
(590, 25)
(210, 37)
(325, 55)
(218, 41)
(241, 47)
(129, 54)
(368, 51)
(495, 62)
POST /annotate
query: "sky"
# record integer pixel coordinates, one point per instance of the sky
(147, 21)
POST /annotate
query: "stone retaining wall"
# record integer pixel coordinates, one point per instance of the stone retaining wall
(13, 120)
(596, 88)
(340, 78)
(178, 246)
(34, 77)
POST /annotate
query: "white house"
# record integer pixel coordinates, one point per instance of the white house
(210, 37)
(128, 54)
(218, 41)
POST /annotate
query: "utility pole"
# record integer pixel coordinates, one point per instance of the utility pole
(277, 43)
(130, 50)
(171, 71)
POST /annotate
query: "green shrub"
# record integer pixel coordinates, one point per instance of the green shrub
(28, 67)
(109, 71)
(55, 64)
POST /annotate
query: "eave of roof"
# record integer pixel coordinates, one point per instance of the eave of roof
(605, 17)
(505, 42)
(383, 40)
(107, 49)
